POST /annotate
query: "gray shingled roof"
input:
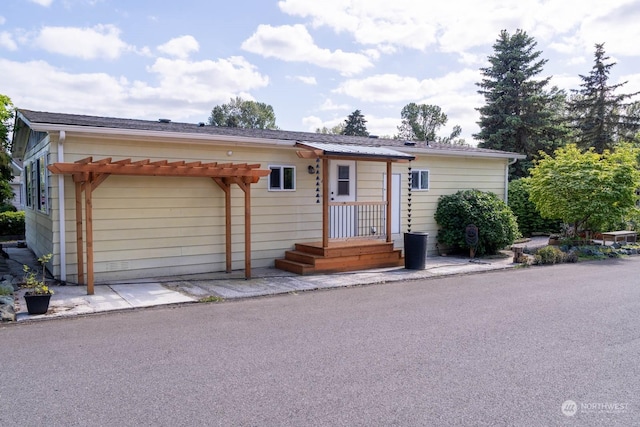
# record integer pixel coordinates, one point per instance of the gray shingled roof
(40, 117)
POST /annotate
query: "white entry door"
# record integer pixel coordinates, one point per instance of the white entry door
(342, 188)
(395, 200)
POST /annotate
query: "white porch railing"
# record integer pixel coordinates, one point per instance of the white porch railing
(357, 219)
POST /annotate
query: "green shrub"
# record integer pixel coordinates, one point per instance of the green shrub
(497, 226)
(529, 219)
(8, 208)
(549, 255)
(11, 223)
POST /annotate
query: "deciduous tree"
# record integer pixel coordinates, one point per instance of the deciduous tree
(420, 122)
(243, 114)
(585, 189)
(6, 174)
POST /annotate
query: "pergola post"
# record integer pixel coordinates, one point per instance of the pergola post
(325, 202)
(88, 175)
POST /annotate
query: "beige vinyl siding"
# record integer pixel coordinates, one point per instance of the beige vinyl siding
(447, 175)
(39, 225)
(153, 226)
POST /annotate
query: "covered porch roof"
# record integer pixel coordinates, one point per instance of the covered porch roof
(355, 152)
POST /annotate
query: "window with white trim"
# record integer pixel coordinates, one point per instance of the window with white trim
(420, 179)
(36, 185)
(282, 178)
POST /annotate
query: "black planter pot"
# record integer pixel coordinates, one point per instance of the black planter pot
(37, 304)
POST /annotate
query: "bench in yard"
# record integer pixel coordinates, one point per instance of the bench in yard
(619, 236)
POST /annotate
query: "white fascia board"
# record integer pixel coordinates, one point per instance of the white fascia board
(151, 134)
(461, 153)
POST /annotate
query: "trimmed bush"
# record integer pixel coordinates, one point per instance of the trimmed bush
(549, 255)
(8, 208)
(529, 219)
(12, 223)
(497, 226)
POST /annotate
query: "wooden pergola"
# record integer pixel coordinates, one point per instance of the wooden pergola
(88, 174)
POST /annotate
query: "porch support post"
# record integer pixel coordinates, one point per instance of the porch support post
(388, 207)
(325, 202)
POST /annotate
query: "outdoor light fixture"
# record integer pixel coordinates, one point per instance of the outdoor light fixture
(311, 170)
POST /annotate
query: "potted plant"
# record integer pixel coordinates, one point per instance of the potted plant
(38, 293)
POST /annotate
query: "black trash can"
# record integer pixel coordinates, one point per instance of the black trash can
(415, 250)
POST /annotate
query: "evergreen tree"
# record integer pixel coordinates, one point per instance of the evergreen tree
(355, 125)
(601, 117)
(519, 114)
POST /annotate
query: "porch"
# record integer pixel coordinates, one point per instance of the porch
(356, 235)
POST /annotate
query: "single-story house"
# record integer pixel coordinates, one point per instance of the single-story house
(136, 198)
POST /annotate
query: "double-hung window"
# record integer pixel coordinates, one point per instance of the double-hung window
(282, 178)
(419, 179)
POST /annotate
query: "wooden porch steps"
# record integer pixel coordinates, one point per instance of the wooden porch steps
(310, 258)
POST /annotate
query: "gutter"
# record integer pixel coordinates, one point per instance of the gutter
(506, 179)
(61, 209)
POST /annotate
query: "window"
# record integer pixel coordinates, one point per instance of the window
(419, 179)
(343, 180)
(282, 178)
(36, 185)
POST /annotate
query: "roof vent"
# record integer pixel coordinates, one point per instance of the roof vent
(409, 143)
(373, 136)
(201, 124)
(164, 120)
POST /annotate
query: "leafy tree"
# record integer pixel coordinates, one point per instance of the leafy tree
(600, 116)
(6, 174)
(519, 114)
(585, 189)
(243, 114)
(420, 122)
(336, 130)
(355, 125)
(497, 226)
(529, 219)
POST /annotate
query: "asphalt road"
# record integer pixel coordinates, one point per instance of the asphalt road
(501, 348)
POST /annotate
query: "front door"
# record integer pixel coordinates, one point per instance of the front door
(342, 190)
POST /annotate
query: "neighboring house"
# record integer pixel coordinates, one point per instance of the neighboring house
(16, 184)
(161, 198)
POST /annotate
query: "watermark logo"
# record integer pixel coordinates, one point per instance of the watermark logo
(569, 408)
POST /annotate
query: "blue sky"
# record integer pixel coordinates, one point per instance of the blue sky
(314, 61)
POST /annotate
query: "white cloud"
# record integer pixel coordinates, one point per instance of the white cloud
(180, 47)
(458, 27)
(328, 105)
(308, 80)
(2, 20)
(186, 90)
(100, 41)
(45, 3)
(395, 88)
(7, 42)
(293, 43)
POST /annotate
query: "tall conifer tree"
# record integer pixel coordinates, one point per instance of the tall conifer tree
(519, 114)
(601, 117)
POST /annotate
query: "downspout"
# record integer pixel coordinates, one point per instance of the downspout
(61, 208)
(506, 180)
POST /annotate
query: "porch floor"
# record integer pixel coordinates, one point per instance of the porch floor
(339, 256)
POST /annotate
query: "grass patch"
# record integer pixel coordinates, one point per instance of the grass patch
(211, 298)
